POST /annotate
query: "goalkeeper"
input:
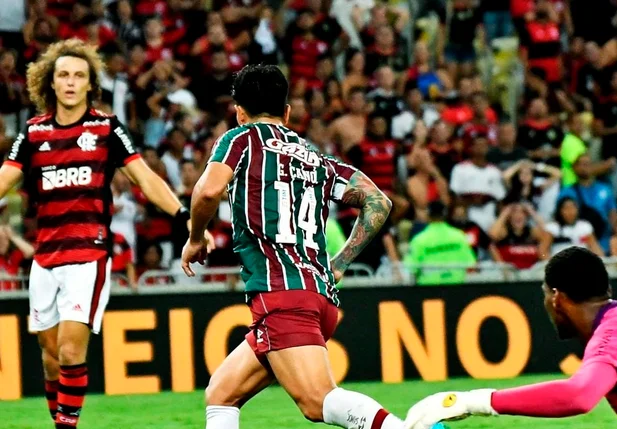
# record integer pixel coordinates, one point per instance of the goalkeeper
(577, 297)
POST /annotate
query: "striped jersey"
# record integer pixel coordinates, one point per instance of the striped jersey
(68, 171)
(279, 197)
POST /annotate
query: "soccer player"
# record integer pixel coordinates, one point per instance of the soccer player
(577, 298)
(279, 189)
(68, 156)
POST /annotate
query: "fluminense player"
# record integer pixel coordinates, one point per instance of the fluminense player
(577, 297)
(279, 189)
(67, 157)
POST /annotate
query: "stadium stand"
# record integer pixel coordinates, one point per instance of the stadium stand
(474, 103)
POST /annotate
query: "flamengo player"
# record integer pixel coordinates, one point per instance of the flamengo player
(279, 189)
(68, 156)
(577, 298)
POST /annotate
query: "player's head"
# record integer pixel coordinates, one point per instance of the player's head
(260, 91)
(573, 277)
(67, 75)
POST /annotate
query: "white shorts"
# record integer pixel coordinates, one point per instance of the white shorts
(78, 292)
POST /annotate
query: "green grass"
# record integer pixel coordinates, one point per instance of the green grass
(273, 409)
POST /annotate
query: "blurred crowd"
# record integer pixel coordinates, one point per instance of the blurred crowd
(395, 88)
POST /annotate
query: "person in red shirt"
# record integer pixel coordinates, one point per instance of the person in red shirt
(122, 261)
(13, 251)
(156, 48)
(299, 117)
(482, 122)
(541, 42)
(376, 156)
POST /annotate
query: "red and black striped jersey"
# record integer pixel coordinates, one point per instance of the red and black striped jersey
(68, 171)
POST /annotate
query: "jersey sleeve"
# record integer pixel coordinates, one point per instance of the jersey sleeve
(229, 148)
(20, 153)
(603, 344)
(121, 145)
(342, 174)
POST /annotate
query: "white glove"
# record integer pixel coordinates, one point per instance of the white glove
(449, 406)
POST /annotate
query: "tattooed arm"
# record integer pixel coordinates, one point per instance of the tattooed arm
(374, 207)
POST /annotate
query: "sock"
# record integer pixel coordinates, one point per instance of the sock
(220, 417)
(354, 410)
(51, 394)
(71, 394)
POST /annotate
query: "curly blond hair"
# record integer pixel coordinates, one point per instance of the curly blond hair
(40, 74)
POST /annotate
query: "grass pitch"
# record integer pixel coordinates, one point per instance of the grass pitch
(272, 409)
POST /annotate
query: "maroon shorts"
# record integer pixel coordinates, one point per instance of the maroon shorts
(290, 318)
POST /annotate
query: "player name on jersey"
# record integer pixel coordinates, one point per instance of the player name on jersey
(279, 196)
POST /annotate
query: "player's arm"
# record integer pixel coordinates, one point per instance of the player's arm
(561, 398)
(10, 176)
(206, 198)
(153, 186)
(374, 207)
(16, 163)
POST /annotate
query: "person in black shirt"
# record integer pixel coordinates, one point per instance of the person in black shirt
(539, 136)
(460, 52)
(214, 90)
(506, 153)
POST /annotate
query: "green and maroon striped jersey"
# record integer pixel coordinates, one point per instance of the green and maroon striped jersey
(279, 198)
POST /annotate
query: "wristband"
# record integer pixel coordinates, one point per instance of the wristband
(182, 215)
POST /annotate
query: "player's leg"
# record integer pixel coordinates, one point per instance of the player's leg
(44, 320)
(82, 298)
(295, 331)
(240, 377)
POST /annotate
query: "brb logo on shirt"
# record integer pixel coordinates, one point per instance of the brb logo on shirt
(65, 177)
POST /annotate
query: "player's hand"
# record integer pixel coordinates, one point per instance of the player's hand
(449, 406)
(193, 252)
(338, 275)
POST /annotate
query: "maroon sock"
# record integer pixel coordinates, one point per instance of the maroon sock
(71, 395)
(51, 394)
(379, 419)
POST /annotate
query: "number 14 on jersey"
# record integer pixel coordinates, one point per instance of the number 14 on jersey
(306, 216)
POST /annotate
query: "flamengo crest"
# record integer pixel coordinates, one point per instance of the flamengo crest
(87, 141)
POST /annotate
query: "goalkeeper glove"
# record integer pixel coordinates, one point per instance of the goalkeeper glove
(449, 406)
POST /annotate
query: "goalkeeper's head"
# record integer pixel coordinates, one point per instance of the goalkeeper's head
(576, 285)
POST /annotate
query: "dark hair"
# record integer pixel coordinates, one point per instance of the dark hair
(354, 90)
(261, 90)
(579, 273)
(558, 216)
(437, 210)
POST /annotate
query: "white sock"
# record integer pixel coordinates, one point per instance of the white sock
(354, 410)
(220, 417)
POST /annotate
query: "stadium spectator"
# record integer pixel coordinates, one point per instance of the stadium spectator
(481, 124)
(539, 135)
(37, 10)
(177, 150)
(478, 184)
(482, 245)
(507, 152)
(14, 250)
(12, 92)
(572, 149)
(464, 21)
(151, 260)
(127, 29)
(299, 117)
(383, 100)
(519, 243)
(124, 211)
(425, 186)
(116, 90)
(123, 263)
(596, 201)
(386, 51)
(444, 154)
(527, 182)
(414, 109)
(496, 19)
(354, 76)
(431, 82)
(439, 244)
(349, 130)
(569, 230)
(606, 120)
